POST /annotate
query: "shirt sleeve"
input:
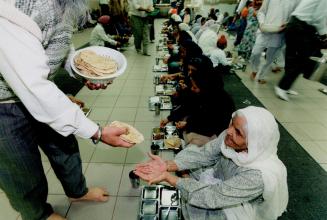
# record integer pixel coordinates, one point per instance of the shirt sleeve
(320, 18)
(193, 157)
(243, 187)
(24, 67)
(102, 34)
(261, 15)
(136, 4)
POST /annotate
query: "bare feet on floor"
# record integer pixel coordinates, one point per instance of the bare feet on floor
(94, 194)
(55, 216)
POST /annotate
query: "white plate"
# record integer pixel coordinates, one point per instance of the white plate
(102, 51)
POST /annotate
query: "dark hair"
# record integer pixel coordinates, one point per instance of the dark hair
(188, 10)
(205, 77)
(184, 36)
(192, 48)
(197, 17)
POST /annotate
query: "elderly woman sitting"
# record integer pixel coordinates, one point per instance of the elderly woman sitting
(237, 176)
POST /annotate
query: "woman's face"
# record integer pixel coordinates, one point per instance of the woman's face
(191, 70)
(182, 52)
(236, 136)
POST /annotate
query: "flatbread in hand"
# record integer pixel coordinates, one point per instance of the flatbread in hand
(132, 136)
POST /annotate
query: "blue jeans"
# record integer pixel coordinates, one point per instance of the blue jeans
(21, 172)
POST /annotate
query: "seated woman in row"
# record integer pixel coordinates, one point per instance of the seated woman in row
(198, 114)
(238, 175)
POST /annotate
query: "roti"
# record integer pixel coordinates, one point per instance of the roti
(132, 136)
(93, 64)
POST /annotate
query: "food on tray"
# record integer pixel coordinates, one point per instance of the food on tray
(158, 134)
(90, 63)
(132, 136)
(173, 142)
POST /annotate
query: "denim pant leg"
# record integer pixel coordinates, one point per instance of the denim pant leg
(64, 156)
(21, 173)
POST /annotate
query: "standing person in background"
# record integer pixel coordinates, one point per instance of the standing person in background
(151, 25)
(35, 113)
(139, 20)
(305, 34)
(272, 17)
(248, 40)
(104, 7)
(243, 23)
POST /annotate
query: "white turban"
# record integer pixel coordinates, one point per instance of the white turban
(262, 139)
(176, 18)
(183, 27)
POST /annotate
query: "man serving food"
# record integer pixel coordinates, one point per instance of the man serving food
(36, 37)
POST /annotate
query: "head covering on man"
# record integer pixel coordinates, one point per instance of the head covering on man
(222, 42)
(262, 140)
(104, 19)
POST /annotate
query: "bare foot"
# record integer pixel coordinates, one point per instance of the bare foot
(276, 69)
(262, 81)
(94, 194)
(253, 75)
(55, 216)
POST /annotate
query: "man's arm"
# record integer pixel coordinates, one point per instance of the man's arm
(24, 67)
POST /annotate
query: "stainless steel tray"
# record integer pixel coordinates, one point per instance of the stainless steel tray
(160, 134)
(160, 203)
(164, 89)
(164, 100)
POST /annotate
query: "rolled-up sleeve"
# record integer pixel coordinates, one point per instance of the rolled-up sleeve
(193, 157)
(24, 67)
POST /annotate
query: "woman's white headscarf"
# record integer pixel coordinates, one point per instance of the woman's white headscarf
(208, 39)
(262, 139)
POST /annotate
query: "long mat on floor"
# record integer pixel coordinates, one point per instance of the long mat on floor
(307, 181)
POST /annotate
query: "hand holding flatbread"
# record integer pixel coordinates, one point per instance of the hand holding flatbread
(132, 136)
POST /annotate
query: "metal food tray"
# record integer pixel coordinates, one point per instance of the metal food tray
(165, 89)
(160, 134)
(164, 100)
(160, 68)
(160, 203)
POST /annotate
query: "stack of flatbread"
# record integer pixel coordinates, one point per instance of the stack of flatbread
(90, 63)
(132, 136)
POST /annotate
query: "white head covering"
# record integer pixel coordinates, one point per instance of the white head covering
(262, 140)
(176, 18)
(204, 27)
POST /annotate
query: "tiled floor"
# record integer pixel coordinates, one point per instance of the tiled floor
(126, 100)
